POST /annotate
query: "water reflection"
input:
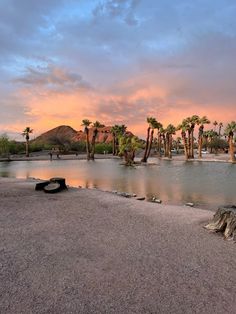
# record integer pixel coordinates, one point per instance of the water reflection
(207, 184)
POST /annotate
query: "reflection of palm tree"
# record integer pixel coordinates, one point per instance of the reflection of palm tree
(26, 133)
(229, 131)
(86, 123)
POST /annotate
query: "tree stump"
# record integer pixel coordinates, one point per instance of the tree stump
(224, 221)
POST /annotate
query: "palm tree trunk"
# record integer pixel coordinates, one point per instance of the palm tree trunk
(114, 145)
(159, 143)
(231, 148)
(27, 148)
(95, 132)
(185, 142)
(170, 146)
(150, 144)
(192, 144)
(87, 143)
(144, 159)
(200, 146)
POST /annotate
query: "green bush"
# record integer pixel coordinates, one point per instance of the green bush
(100, 148)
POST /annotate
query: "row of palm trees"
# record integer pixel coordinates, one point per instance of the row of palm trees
(187, 128)
(122, 143)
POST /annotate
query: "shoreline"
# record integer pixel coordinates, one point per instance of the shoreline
(87, 251)
(42, 157)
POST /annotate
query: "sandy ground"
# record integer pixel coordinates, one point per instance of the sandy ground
(87, 251)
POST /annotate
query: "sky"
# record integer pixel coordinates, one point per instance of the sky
(117, 62)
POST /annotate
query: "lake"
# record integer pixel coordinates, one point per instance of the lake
(207, 184)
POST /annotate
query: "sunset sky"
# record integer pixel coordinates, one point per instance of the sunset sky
(115, 61)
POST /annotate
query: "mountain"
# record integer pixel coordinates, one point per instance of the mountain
(65, 134)
(59, 135)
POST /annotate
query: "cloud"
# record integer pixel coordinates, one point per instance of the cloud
(118, 60)
(53, 78)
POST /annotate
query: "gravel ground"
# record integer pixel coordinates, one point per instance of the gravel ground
(87, 251)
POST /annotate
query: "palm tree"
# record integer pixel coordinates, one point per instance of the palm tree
(229, 131)
(96, 125)
(201, 122)
(193, 121)
(128, 145)
(185, 127)
(159, 127)
(220, 127)
(170, 130)
(152, 124)
(215, 123)
(26, 134)
(86, 123)
(117, 131)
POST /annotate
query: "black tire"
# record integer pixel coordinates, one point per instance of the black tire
(40, 186)
(52, 187)
(61, 181)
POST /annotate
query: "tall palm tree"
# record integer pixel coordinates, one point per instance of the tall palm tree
(192, 121)
(96, 126)
(159, 127)
(170, 131)
(230, 130)
(117, 130)
(220, 127)
(26, 134)
(152, 124)
(185, 128)
(215, 123)
(86, 123)
(201, 122)
(128, 145)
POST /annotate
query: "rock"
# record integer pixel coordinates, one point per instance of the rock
(189, 204)
(140, 198)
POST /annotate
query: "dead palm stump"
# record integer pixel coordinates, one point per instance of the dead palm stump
(224, 221)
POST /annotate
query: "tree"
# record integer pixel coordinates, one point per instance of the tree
(4, 145)
(152, 124)
(215, 123)
(86, 123)
(220, 127)
(26, 134)
(170, 131)
(229, 131)
(159, 128)
(128, 145)
(201, 122)
(117, 131)
(96, 126)
(193, 121)
(185, 127)
(209, 136)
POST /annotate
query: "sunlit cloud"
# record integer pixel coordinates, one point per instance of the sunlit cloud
(115, 61)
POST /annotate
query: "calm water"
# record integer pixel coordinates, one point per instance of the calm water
(206, 184)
